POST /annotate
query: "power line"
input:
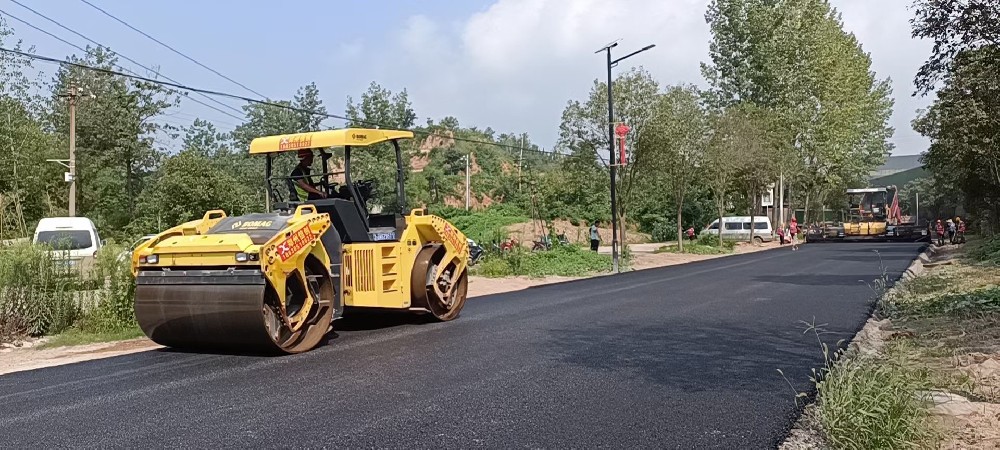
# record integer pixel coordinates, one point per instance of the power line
(254, 101)
(99, 45)
(173, 49)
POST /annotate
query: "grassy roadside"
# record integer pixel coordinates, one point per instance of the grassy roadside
(75, 336)
(927, 374)
(706, 244)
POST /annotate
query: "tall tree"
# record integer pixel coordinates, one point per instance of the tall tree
(794, 59)
(676, 138)
(381, 108)
(734, 133)
(584, 129)
(115, 135)
(955, 26)
(30, 187)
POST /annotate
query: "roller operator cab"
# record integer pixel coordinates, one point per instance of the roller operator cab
(327, 243)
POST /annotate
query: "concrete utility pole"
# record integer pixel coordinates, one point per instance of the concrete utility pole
(72, 150)
(917, 215)
(520, 160)
(467, 194)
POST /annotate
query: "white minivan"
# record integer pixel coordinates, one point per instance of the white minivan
(74, 240)
(737, 228)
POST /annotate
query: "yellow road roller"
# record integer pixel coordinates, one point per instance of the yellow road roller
(276, 281)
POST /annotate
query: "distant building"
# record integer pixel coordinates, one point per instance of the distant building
(896, 164)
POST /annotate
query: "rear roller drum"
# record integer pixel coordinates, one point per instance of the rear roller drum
(443, 297)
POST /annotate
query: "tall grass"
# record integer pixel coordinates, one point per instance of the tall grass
(36, 292)
(41, 296)
(867, 402)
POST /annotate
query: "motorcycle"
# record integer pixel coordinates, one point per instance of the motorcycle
(475, 252)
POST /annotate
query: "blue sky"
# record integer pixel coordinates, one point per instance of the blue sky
(508, 64)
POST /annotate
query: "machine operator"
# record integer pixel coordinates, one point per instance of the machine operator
(305, 187)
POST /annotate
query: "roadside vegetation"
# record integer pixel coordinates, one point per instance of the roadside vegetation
(706, 244)
(926, 372)
(561, 260)
(41, 296)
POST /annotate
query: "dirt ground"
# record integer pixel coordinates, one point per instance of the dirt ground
(527, 232)
(28, 357)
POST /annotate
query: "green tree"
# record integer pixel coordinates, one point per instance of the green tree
(963, 124)
(674, 140)
(30, 187)
(379, 107)
(115, 136)
(954, 27)
(584, 131)
(793, 59)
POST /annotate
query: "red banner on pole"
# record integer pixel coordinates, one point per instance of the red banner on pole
(621, 131)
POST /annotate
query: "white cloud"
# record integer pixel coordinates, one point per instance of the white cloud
(514, 65)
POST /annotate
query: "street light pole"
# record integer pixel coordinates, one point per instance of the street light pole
(613, 163)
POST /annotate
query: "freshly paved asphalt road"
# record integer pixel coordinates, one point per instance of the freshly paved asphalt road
(677, 357)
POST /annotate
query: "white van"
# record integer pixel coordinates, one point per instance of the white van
(737, 228)
(74, 240)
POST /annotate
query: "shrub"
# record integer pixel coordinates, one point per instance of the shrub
(561, 260)
(987, 251)
(113, 309)
(487, 225)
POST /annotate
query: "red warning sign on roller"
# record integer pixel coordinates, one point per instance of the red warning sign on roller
(295, 242)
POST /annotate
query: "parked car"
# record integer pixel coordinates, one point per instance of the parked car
(737, 228)
(74, 240)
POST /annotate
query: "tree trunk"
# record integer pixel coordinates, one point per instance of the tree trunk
(680, 228)
(722, 211)
(753, 211)
(805, 211)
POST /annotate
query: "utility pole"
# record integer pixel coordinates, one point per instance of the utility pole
(611, 149)
(781, 197)
(467, 194)
(72, 150)
(520, 161)
(918, 209)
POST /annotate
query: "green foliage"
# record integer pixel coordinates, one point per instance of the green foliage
(113, 310)
(963, 129)
(561, 260)
(488, 225)
(794, 62)
(962, 304)
(115, 136)
(866, 402)
(986, 251)
(36, 293)
(39, 295)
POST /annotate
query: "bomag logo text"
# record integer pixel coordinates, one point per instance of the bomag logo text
(295, 143)
(359, 137)
(252, 224)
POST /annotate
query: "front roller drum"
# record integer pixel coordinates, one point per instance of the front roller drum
(231, 311)
(443, 297)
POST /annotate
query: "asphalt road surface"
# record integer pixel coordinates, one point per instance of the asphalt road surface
(677, 357)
